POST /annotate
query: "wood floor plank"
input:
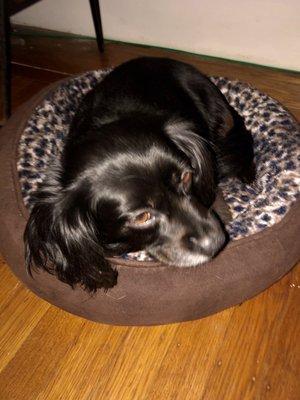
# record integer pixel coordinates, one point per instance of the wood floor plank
(249, 352)
(141, 355)
(191, 355)
(95, 352)
(42, 353)
(116, 361)
(19, 314)
(28, 81)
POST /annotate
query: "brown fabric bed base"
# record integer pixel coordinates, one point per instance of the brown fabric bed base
(147, 293)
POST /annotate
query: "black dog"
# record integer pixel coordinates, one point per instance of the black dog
(139, 172)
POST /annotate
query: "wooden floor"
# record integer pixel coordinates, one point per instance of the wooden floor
(249, 352)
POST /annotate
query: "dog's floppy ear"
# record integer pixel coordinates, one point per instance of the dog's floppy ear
(61, 238)
(197, 151)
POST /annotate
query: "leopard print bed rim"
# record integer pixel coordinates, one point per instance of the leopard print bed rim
(254, 208)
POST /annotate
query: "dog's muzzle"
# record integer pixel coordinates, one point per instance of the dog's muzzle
(191, 244)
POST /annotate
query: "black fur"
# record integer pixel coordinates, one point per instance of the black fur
(150, 141)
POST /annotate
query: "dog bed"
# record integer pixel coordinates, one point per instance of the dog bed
(264, 229)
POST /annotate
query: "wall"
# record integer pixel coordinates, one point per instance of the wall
(260, 31)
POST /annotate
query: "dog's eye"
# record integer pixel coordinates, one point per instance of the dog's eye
(143, 218)
(186, 180)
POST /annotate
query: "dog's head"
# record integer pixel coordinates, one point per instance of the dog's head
(123, 191)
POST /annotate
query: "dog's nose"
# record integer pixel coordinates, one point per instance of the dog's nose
(212, 244)
(207, 244)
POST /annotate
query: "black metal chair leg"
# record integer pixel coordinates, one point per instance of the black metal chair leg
(5, 58)
(95, 8)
